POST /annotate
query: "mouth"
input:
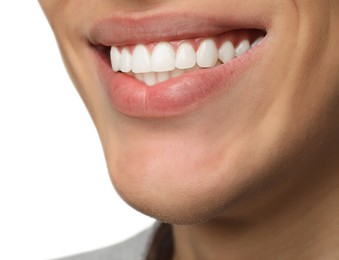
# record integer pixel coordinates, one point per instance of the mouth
(157, 62)
(160, 66)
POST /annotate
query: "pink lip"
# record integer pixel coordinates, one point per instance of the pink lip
(131, 29)
(175, 96)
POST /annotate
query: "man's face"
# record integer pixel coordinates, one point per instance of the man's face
(223, 121)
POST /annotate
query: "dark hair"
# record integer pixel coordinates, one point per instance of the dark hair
(162, 246)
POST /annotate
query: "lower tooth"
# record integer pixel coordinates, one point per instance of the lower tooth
(176, 73)
(139, 76)
(150, 78)
(162, 76)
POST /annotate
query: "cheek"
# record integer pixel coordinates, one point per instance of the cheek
(51, 9)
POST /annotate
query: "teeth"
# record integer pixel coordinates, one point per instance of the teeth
(186, 57)
(226, 52)
(115, 58)
(243, 47)
(139, 76)
(257, 41)
(141, 59)
(165, 63)
(162, 76)
(125, 60)
(163, 57)
(150, 78)
(207, 54)
(177, 73)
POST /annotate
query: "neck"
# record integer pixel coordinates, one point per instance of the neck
(304, 225)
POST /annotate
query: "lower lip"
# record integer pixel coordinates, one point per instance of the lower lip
(175, 96)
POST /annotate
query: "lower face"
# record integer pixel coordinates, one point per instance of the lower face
(188, 138)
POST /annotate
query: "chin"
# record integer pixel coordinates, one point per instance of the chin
(178, 180)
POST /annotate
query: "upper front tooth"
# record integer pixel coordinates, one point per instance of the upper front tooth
(115, 58)
(226, 52)
(186, 57)
(243, 47)
(207, 54)
(141, 59)
(125, 61)
(163, 58)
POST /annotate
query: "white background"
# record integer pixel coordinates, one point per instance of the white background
(56, 198)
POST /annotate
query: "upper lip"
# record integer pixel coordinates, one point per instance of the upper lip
(130, 29)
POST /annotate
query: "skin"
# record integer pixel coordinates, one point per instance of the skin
(252, 174)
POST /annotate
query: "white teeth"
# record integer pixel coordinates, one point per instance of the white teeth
(177, 73)
(226, 52)
(150, 78)
(141, 59)
(115, 58)
(163, 76)
(139, 76)
(165, 63)
(125, 60)
(185, 57)
(207, 54)
(243, 47)
(257, 41)
(163, 57)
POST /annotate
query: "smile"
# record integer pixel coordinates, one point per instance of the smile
(158, 62)
(186, 64)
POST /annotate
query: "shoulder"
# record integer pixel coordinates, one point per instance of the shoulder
(134, 248)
